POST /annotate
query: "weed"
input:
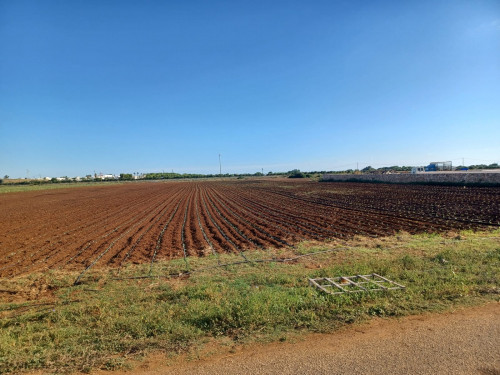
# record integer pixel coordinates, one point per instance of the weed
(104, 322)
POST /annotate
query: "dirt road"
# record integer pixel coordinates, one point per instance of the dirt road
(466, 341)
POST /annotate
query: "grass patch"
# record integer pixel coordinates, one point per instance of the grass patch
(15, 188)
(105, 323)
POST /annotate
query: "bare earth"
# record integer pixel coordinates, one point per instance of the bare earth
(82, 228)
(466, 341)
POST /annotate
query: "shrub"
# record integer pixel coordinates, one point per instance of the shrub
(296, 173)
(125, 176)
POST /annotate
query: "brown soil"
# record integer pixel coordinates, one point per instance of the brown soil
(78, 229)
(466, 341)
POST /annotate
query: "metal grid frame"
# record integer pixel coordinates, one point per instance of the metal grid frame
(354, 284)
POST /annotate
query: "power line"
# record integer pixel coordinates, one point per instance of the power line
(464, 158)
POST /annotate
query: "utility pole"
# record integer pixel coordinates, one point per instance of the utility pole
(220, 167)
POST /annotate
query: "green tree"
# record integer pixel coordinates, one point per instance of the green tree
(367, 169)
(125, 176)
(295, 173)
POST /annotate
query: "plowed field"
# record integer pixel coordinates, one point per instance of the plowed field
(144, 222)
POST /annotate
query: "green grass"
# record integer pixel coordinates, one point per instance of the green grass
(105, 323)
(14, 188)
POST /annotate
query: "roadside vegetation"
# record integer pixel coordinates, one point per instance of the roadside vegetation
(115, 317)
(16, 188)
(38, 184)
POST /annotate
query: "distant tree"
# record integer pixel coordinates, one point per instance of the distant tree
(125, 176)
(295, 173)
(367, 169)
(6, 177)
(478, 166)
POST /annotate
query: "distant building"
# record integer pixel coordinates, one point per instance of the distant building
(106, 176)
(435, 166)
(439, 166)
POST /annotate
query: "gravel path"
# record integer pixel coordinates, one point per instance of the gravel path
(466, 341)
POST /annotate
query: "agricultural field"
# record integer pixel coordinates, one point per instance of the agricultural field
(142, 223)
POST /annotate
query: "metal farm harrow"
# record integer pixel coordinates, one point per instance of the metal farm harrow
(354, 284)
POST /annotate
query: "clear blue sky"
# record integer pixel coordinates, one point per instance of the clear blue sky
(143, 86)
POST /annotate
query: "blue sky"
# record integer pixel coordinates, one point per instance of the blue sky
(143, 86)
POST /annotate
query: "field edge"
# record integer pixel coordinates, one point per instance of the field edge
(111, 322)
